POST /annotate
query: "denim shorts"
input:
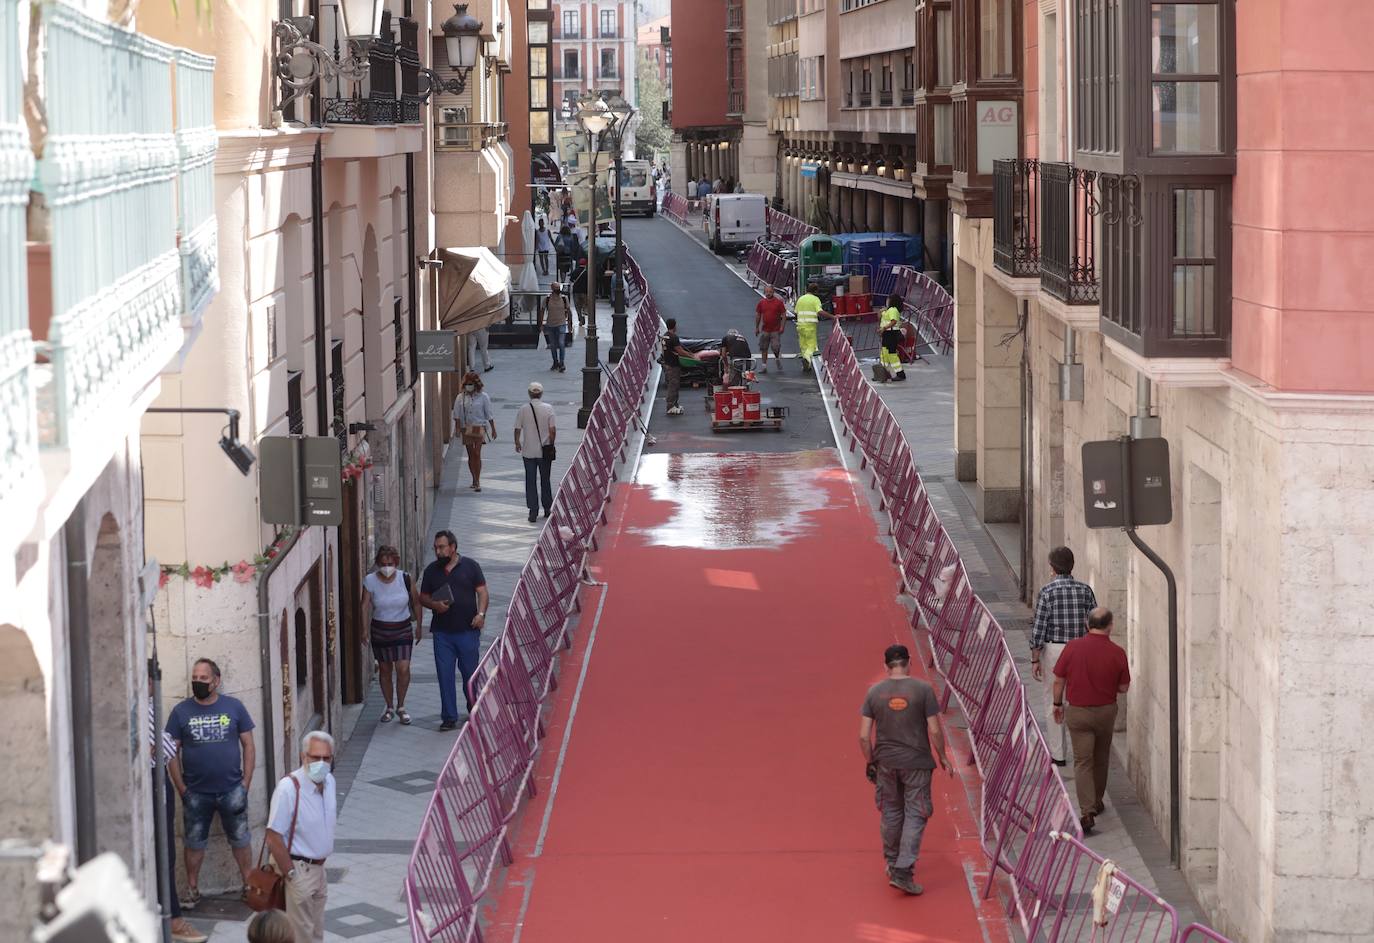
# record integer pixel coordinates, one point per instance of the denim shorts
(198, 810)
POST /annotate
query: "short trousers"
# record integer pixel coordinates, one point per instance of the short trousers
(198, 810)
(391, 641)
(770, 340)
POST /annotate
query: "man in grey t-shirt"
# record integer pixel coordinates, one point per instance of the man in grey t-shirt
(901, 739)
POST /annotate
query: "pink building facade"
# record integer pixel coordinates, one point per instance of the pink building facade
(1182, 249)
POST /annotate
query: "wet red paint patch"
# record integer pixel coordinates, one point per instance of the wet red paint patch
(713, 788)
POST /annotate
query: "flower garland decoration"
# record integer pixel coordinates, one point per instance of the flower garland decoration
(354, 465)
(245, 571)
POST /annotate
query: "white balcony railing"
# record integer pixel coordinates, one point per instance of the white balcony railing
(18, 429)
(196, 225)
(110, 175)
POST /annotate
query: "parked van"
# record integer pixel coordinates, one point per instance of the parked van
(735, 219)
(639, 193)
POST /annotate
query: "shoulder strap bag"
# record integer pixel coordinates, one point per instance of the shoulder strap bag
(265, 889)
(549, 452)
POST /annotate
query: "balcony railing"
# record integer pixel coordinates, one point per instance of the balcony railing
(885, 98)
(1015, 208)
(613, 33)
(117, 305)
(408, 57)
(1068, 268)
(780, 11)
(734, 102)
(18, 431)
(197, 142)
(908, 96)
(559, 34)
(565, 73)
(467, 137)
(608, 73)
(380, 98)
(865, 99)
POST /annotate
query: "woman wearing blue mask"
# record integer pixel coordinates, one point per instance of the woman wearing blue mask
(391, 624)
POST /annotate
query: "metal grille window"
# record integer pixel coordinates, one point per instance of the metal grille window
(608, 70)
(1194, 262)
(1185, 77)
(295, 416)
(399, 334)
(336, 382)
(1097, 73)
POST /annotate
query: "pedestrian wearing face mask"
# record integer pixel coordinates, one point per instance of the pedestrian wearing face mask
(300, 834)
(454, 589)
(473, 420)
(391, 620)
(212, 771)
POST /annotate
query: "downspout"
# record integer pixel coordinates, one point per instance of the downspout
(1027, 438)
(317, 288)
(269, 738)
(79, 677)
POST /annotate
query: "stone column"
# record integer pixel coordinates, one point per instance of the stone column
(876, 202)
(998, 495)
(911, 216)
(892, 214)
(965, 372)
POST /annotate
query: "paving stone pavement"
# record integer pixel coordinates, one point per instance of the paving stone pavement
(386, 772)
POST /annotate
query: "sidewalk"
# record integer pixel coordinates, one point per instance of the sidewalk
(924, 408)
(386, 773)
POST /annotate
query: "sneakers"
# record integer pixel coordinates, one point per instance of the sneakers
(763, 369)
(903, 883)
(675, 411)
(183, 931)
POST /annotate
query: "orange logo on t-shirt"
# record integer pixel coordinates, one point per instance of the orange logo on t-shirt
(897, 703)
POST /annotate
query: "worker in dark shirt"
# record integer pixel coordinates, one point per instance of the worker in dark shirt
(735, 357)
(1092, 671)
(770, 315)
(901, 740)
(671, 361)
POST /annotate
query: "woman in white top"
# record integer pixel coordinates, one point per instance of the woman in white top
(391, 623)
(473, 418)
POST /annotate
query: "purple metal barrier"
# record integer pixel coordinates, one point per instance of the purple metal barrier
(1027, 824)
(1196, 931)
(1085, 901)
(463, 832)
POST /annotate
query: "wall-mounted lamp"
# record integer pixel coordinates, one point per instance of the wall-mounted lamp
(240, 454)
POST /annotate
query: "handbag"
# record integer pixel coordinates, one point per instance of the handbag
(265, 889)
(549, 453)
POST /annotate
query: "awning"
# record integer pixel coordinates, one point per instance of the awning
(474, 289)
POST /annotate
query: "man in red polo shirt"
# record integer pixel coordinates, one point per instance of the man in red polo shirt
(1090, 672)
(770, 314)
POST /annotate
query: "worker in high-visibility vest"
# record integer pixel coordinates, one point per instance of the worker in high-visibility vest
(808, 309)
(890, 338)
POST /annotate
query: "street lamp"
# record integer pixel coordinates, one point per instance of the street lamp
(624, 116)
(597, 119)
(462, 46)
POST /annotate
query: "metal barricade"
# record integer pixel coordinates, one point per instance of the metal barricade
(462, 836)
(1027, 824)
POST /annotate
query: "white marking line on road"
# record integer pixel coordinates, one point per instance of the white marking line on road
(841, 445)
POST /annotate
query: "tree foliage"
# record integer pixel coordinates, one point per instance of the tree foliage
(652, 136)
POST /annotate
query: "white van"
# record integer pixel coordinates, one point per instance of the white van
(639, 193)
(734, 219)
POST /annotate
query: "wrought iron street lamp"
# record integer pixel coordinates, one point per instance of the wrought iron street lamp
(597, 119)
(624, 116)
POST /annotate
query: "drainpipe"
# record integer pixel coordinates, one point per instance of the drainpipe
(269, 738)
(317, 285)
(79, 678)
(1070, 372)
(1147, 426)
(1027, 438)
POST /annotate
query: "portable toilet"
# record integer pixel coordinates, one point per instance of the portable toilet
(820, 258)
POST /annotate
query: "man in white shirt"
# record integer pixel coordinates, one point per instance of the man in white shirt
(303, 812)
(535, 431)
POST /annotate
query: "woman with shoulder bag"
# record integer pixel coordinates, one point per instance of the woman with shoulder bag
(391, 623)
(473, 419)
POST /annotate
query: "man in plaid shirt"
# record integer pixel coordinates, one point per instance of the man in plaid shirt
(1061, 615)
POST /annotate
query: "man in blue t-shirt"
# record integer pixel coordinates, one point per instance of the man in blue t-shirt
(454, 589)
(212, 771)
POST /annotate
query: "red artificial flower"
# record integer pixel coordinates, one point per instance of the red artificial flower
(203, 576)
(244, 571)
(163, 578)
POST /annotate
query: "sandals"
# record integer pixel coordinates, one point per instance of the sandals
(190, 899)
(387, 715)
(402, 713)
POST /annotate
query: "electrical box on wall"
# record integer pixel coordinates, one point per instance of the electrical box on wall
(300, 480)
